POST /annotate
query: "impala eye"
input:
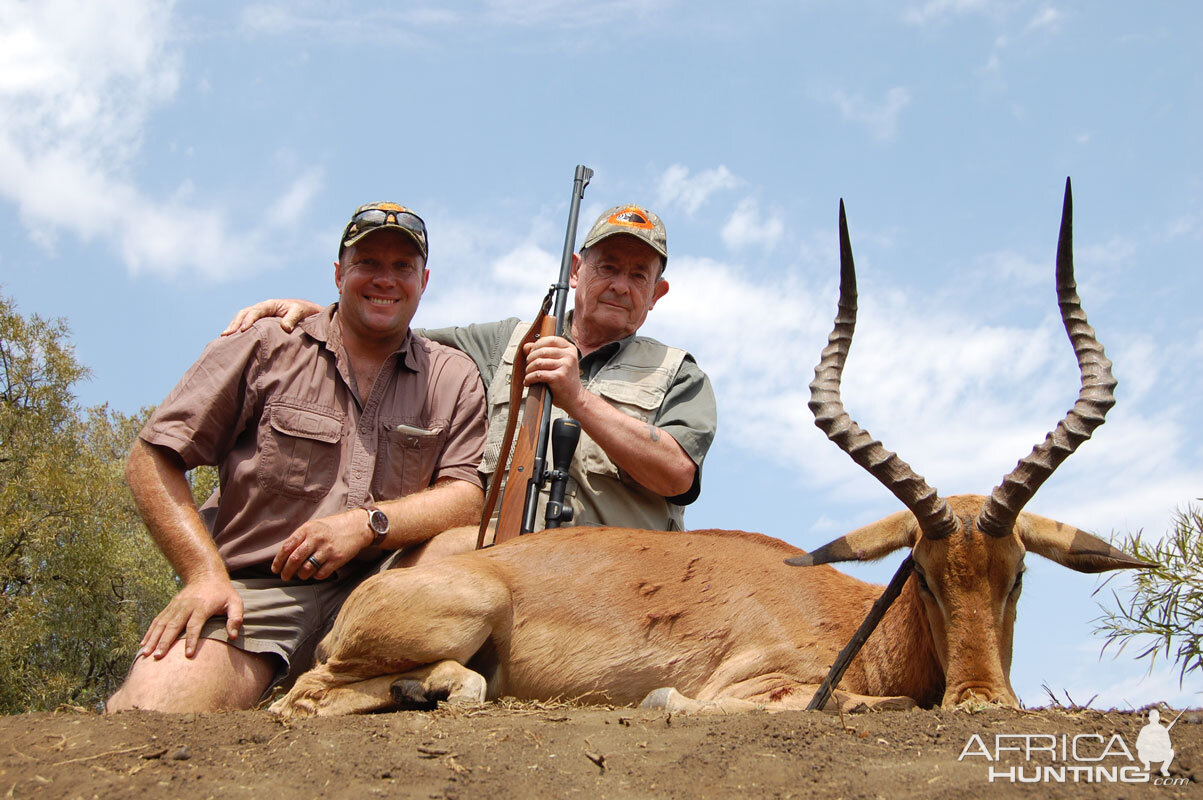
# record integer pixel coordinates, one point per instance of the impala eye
(922, 581)
(1018, 582)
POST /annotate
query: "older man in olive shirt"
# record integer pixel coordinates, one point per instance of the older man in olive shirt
(317, 434)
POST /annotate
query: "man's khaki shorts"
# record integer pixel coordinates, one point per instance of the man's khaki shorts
(286, 619)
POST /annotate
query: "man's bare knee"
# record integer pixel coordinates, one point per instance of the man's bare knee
(218, 677)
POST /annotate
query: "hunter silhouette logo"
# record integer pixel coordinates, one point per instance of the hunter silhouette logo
(1153, 742)
(1080, 758)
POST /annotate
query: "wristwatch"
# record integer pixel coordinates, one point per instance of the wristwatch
(377, 524)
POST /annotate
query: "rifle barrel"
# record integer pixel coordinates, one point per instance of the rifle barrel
(580, 180)
(538, 479)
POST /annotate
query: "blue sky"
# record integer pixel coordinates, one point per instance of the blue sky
(162, 165)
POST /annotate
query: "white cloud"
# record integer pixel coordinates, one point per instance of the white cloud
(569, 13)
(939, 10)
(273, 19)
(880, 118)
(79, 83)
(1190, 225)
(1016, 269)
(412, 23)
(528, 268)
(1115, 250)
(481, 272)
(678, 188)
(298, 197)
(1124, 679)
(749, 227)
(992, 70)
(1047, 18)
(408, 25)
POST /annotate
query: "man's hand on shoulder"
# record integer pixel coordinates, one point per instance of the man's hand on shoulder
(289, 311)
(188, 611)
(331, 541)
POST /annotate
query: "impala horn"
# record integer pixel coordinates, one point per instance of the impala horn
(936, 519)
(1095, 399)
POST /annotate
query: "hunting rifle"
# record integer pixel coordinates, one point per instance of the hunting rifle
(519, 509)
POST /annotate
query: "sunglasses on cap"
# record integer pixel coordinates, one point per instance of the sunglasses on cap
(383, 215)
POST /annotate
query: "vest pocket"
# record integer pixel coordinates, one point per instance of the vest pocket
(407, 458)
(632, 399)
(301, 450)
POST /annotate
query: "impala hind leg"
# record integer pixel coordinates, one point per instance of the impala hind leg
(405, 624)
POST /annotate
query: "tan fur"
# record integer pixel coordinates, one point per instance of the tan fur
(609, 615)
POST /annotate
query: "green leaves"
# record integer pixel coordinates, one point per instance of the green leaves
(79, 576)
(1163, 614)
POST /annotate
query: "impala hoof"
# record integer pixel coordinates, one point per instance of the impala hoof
(668, 699)
(410, 694)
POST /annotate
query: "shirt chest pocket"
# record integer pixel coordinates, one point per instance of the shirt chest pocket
(301, 451)
(408, 458)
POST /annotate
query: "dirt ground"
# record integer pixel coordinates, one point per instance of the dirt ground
(558, 750)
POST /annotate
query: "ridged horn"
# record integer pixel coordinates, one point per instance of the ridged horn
(1095, 399)
(936, 519)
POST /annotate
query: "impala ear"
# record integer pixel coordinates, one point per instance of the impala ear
(1071, 547)
(871, 542)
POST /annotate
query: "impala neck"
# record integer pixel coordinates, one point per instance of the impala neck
(900, 657)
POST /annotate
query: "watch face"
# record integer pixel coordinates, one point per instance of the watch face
(378, 520)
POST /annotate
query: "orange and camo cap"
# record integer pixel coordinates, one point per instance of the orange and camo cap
(630, 220)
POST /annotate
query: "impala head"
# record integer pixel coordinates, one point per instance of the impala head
(968, 550)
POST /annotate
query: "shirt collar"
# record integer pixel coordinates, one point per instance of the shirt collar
(603, 353)
(320, 327)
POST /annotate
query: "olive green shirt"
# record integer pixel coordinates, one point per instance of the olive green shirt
(687, 413)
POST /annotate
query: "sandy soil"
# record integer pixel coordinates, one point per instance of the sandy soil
(556, 750)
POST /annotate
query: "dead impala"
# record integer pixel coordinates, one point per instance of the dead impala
(611, 615)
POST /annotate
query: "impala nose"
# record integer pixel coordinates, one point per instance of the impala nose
(981, 694)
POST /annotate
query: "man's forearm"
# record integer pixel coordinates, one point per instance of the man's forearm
(164, 499)
(417, 517)
(649, 455)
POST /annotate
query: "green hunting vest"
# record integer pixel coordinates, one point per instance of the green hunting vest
(599, 492)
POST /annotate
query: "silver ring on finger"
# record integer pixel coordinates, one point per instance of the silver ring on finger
(316, 564)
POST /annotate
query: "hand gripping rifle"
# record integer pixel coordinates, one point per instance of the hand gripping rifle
(519, 510)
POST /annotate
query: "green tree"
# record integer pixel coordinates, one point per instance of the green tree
(80, 578)
(1164, 611)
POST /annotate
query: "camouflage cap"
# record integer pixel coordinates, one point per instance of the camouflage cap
(372, 217)
(632, 220)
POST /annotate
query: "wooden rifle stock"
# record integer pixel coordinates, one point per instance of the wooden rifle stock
(513, 502)
(521, 465)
